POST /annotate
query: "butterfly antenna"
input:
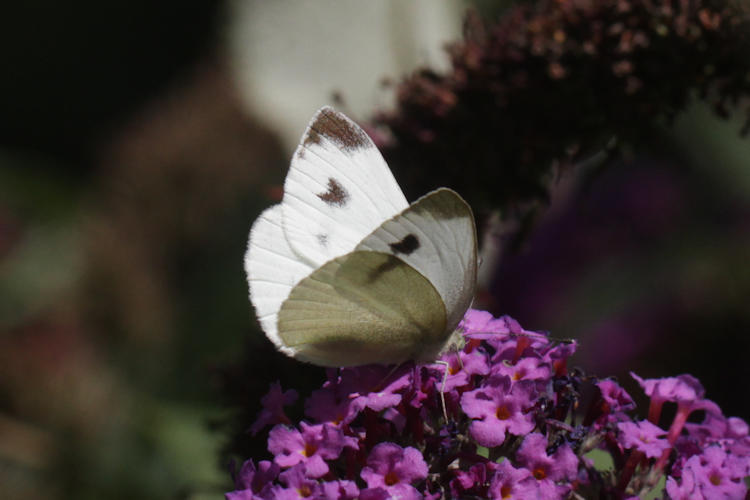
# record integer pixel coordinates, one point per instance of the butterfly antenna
(552, 339)
(531, 335)
(562, 341)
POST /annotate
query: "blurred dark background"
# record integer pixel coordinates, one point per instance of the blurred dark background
(139, 142)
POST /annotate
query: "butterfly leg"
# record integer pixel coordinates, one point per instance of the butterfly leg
(442, 386)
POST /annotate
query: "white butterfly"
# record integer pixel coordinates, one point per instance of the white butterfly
(344, 272)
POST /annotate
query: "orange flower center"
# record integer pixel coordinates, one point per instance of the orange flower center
(309, 450)
(391, 478)
(539, 473)
(503, 413)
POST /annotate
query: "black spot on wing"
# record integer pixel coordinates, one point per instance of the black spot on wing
(322, 239)
(406, 246)
(336, 195)
(338, 129)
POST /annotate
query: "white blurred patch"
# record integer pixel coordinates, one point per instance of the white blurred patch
(290, 56)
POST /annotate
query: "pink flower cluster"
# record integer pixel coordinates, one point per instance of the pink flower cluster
(516, 428)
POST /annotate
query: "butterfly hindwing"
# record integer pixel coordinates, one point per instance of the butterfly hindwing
(338, 189)
(360, 308)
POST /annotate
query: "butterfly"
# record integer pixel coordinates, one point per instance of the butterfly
(344, 271)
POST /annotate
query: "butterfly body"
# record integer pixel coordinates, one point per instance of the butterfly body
(344, 272)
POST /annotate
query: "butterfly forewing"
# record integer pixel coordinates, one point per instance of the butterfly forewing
(436, 236)
(272, 271)
(338, 189)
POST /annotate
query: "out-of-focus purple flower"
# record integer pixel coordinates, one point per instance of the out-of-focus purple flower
(296, 485)
(546, 469)
(516, 345)
(504, 334)
(557, 355)
(685, 488)
(255, 478)
(508, 482)
(644, 437)
(470, 482)
(344, 396)
(499, 407)
(737, 428)
(375, 386)
(610, 406)
(394, 469)
(713, 428)
(325, 405)
(395, 417)
(476, 321)
(313, 446)
(273, 407)
(737, 440)
(524, 369)
(506, 382)
(339, 490)
(717, 474)
(461, 367)
(616, 398)
(683, 388)
(242, 495)
(254, 482)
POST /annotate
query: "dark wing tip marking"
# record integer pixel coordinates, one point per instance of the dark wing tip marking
(322, 239)
(336, 195)
(406, 246)
(312, 137)
(337, 128)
